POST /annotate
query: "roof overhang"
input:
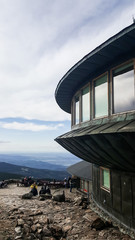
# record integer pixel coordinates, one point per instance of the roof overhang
(116, 49)
(109, 144)
(82, 170)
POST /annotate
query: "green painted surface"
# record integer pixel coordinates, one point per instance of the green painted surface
(106, 178)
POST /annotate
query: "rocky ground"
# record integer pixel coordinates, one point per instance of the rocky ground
(51, 220)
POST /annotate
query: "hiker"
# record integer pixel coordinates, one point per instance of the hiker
(34, 189)
(3, 184)
(30, 181)
(25, 182)
(65, 182)
(48, 190)
(71, 184)
(68, 181)
(43, 189)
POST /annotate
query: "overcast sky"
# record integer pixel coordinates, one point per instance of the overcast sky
(39, 41)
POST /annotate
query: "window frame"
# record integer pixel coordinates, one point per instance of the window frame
(132, 60)
(110, 96)
(81, 90)
(74, 108)
(93, 90)
(101, 180)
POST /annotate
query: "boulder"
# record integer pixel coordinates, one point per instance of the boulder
(27, 196)
(45, 196)
(98, 224)
(59, 197)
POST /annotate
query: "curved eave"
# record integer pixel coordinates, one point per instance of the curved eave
(109, 144)
(114, 49)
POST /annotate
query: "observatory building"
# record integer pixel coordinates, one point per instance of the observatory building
(99, 92)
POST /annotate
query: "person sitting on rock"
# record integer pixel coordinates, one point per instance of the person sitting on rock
(43, 189)
(34, 190)
(48, 190)
(3, 184)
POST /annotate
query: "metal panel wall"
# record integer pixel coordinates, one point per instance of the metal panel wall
(120, 202)
(116, 191)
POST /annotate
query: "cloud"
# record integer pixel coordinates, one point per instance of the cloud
(41, 40)
(4, 142)
(27, 126)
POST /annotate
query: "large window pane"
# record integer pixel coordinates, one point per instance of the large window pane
(101, 99)
(77, 110)
(105, 178)
(85, 104)
(124, 89)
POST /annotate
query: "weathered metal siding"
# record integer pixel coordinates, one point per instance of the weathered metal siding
(120, 202)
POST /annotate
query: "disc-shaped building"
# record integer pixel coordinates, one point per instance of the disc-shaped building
(99, 92)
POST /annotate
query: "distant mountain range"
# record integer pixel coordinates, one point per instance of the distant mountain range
(33, 172)
(51, 161)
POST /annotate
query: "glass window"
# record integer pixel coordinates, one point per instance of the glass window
(105, 178)
(124, 89)
(85, 104)
(76, 109)
(101, 98)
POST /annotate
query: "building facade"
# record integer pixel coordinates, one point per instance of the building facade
(99, 92)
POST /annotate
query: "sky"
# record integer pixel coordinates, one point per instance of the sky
(40, 40)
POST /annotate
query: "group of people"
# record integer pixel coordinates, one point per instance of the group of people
(44, 189)
(27, 181)
(68, 183)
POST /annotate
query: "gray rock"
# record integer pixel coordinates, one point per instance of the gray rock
(26, 228)
(34, 228)
(18, 229)
(18, 237)
(45, 196)
(59, 197)
(98, 224)
(27, 196)
(66, 228)
(20, 222)
(46, 231)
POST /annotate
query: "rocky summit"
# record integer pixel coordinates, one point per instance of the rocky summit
(50, 219)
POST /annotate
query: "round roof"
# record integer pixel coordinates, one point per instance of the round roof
(102, 57)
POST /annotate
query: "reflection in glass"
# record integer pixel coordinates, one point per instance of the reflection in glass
(85, 104)
(101, 99)
(124, 92)
(77, 110)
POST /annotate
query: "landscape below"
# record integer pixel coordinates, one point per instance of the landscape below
(39, 166)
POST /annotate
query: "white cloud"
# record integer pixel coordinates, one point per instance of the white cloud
(4, 142)
(30, 126)
(41, 40)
